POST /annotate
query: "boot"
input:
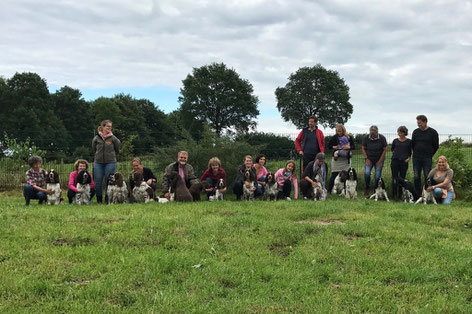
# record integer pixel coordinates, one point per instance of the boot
(99, 199)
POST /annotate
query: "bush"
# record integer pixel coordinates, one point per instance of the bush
(271, 145)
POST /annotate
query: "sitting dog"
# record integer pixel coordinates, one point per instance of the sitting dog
(380, 192)
(53, 184)
(409, 194)
(220, 185)
(83, 183)
(178, 190)
(142, 192)
(117, 190)
(318, 190)
(339, 182)
(248, 193)
(350, 185)
(270, 190)
(428, 196)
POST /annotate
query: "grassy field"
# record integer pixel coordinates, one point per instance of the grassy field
(289, 256)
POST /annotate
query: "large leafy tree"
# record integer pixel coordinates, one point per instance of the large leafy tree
(219, 96)
(314, 91)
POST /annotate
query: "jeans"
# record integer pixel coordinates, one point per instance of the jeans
(368, 170)
(419, 164)
(31, 194)
(260, 187)
(102, 171)
(438, 192)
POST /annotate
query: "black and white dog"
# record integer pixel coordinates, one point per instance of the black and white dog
(53, 184)
(220, 185)
(83, 184)
(270, 188)
(142, 192)
(428, 196)
(318, 189)
(339, 182)
(409, 194)
(248, 192)
(380, 192)
(117, 190)
(350, 185)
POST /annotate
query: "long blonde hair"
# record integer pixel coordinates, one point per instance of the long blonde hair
(343, 129)
(445, 159)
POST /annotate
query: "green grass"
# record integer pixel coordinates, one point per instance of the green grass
(297, 256)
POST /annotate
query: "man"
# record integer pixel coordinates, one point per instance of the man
(187, 174)
(425, 143)
(240, 181)
(374, 149)
(307, 183)
(310, 141)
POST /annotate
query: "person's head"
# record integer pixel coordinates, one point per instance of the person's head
(320, 158)
(261, 159)
(290, 166)
(137, 164)
(81, 164)
(341, 130)
(402, 131)
(182, 158)
(214, 164)
(312, 122)
(373, 131)
(248, 161)
(35, 162)
(441, 163)
(422, 121)
(105, 126)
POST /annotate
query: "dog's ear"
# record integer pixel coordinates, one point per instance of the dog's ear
(119, 179)
(56, 177)
(89, 177)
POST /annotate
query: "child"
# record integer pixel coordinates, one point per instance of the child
(343, 139)
(35, 187)
(285, 178)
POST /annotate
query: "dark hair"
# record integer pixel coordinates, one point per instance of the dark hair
(313, 117)
(259, 157)
(403, 129)
(33, 160)
(422, 118)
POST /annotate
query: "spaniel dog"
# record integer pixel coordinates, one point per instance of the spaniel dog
(53, 184)
(142, 192)
(380, 192)
(339, 182)
(318, 189)
(83, 183)
(350, 185)
(220, 185)
(270, 190)
(178, 190)
(117, 191)
(409, 194)
(428, 196)
(248, 193)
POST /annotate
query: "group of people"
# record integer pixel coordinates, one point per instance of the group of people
(310, 144)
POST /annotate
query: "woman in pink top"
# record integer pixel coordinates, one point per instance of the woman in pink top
(285, 178)
(79, 165)
(261, 172)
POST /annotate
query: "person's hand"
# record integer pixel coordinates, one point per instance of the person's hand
(346, 147)
(209, 189)
(222, 190)
(314, 184)
(379, 164)
(149, 181)
(247, 184)
(407, 160)
(429, 188)
(49, 192)
(301, 153)
(368, 163)
(167, 195)
(80, 190)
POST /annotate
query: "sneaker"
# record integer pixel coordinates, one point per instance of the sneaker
(367, 192)
(305, 198)
(288, 199)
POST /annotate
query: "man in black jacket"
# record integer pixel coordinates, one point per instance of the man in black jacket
(425, 143)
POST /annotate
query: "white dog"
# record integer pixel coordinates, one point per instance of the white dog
(83, 184)
(53, 184)
(220, 185)
(380, 192)
(350, 185)
(428, 196)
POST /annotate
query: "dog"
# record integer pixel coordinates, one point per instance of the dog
(83, 183)
(350, 185)
(318, 189)
(117, 190)
(409, 194)
(178, 190)
(270, 189)
(220, 185)
(380, 192)
(142, 192)
(248, 192)
(339, 182)
(53, 184)
(428, 196)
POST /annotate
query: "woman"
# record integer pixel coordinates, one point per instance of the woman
(79, 165)
(35, 187)
(261, 172)
(342, 162)
(401, 154)
(212, 175)
(442, 176)
(148, 176)
(106, 147)
(285, 178)
(239, 182)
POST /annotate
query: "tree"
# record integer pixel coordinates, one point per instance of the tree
(314, 91)
(217, 95)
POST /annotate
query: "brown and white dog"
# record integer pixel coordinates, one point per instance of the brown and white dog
(117, 190)
(339, 182)
(270, 188)
(142, 192)
(53, 184)
(248, 192)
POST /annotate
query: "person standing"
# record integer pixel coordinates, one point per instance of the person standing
(342, 162)
(310, 141)
(401, 153)
(425, 143)
(106, 148)
(374, 149)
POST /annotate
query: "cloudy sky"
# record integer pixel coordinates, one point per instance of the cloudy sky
(399, 58)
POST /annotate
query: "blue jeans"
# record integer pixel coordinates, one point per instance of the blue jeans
(102, 171)
(438, 192)
(31, 194)
(368, 170)
(419, 164)
(260, 187)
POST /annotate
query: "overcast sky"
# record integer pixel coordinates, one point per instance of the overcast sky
(399, 58)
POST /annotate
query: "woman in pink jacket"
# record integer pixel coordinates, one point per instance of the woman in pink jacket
(286, 178)
(79, 165)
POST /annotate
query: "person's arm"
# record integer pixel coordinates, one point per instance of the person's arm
(393, 146)
(295, 186)
(116, 145)
(205, 175)
(71, 185)
(298, 143)
(150, 176)
(352, 143)
(94, 144)
(322, 141)
(435, 142)
(447, 180)
(92, 184)
(382, 157)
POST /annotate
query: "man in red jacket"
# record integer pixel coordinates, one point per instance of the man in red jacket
(310, 141)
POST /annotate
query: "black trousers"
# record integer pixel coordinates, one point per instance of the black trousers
(286, 190)
(399, 169)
